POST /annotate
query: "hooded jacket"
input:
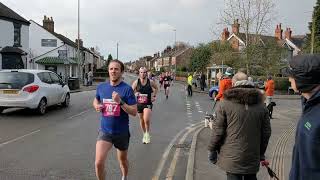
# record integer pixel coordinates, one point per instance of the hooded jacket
(224, 84)
(241, 131)
(306, 151)
(269, 87)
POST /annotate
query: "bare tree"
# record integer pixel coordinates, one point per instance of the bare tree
(254, 17)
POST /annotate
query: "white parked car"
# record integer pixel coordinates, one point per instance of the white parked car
(34, 89)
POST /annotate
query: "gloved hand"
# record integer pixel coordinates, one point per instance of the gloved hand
(264, 163)
(213, 156)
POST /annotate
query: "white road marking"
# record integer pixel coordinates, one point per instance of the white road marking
(18, 138)
(79, 114)
(29, 134)
(176, 154)
(167, 151)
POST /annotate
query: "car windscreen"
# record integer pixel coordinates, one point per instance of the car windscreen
(15, 80)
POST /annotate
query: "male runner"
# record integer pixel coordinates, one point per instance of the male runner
(146, 92)
(166, 84)
(116, 101)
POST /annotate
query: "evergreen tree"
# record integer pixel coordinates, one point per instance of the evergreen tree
(314, 25)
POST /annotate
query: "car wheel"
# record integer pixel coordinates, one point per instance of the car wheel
(214, 94)
(42, 107)
(66, 100)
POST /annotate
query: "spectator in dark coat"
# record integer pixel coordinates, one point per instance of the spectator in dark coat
(241, 131)
(202, 81)
(304, 75)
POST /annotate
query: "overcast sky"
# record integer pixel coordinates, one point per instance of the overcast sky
(143, 27)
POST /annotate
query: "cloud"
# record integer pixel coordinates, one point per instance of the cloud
(192, 3)
(160, 27)
(143, 27)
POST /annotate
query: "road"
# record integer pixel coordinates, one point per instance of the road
(61, 144)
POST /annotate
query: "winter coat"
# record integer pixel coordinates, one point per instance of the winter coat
(224, 84)
(269, 88)
(241, 131)
(190, 79)
(306, 151)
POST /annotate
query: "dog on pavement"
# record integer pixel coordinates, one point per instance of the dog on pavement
(270, 108)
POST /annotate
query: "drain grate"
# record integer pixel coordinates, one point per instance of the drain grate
(182, 146)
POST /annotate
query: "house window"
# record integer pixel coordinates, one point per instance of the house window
(12, 61)
(17, 35)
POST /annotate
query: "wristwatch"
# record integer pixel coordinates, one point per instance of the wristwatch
(121, 102)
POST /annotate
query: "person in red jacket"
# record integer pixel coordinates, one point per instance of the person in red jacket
(224, 84)
(269, 88)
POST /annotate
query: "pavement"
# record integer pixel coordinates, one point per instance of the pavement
(278, 153)
(85, 88)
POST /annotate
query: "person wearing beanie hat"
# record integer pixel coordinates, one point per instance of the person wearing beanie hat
(241, 130)
(224, 83)
(304, 76)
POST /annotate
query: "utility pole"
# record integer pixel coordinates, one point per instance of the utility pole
(78, 54)
(117, 51)
(175, 43)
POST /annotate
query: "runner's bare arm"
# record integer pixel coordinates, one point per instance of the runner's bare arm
(130, 109)
(154, 87)
(134, 85)
(96, 104)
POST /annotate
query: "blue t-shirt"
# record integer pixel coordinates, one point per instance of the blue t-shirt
(115, 124)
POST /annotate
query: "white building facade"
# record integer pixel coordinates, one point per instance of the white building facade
(14, 39)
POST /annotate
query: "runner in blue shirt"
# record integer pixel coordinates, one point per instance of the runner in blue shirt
(116, 101)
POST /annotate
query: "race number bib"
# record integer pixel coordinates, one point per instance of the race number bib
(110, 108)
(142, 98)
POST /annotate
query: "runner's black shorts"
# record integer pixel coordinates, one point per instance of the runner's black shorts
(120, 141)
(141, 107)
(166, 85)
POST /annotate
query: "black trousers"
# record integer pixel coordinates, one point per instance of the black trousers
(189, 90)
(202, 86)
(231, 176)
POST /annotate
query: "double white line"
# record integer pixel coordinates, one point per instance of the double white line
(174, 160)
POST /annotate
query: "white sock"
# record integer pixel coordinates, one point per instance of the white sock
(124, 178)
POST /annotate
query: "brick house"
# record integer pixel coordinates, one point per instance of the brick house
(238, 40)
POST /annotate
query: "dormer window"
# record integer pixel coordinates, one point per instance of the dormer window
(17, 35)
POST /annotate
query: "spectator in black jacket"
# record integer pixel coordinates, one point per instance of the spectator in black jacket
(304, 75)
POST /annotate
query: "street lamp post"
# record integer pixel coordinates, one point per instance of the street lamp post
(117, 51)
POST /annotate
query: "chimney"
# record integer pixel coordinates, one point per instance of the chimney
(288, 33)
(80, 42)
(235, 27)
(278, 32)
(225, 34)
(48, 23)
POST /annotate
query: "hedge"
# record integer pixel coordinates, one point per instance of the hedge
(101, 74)
(281, 83)
(181, 74)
